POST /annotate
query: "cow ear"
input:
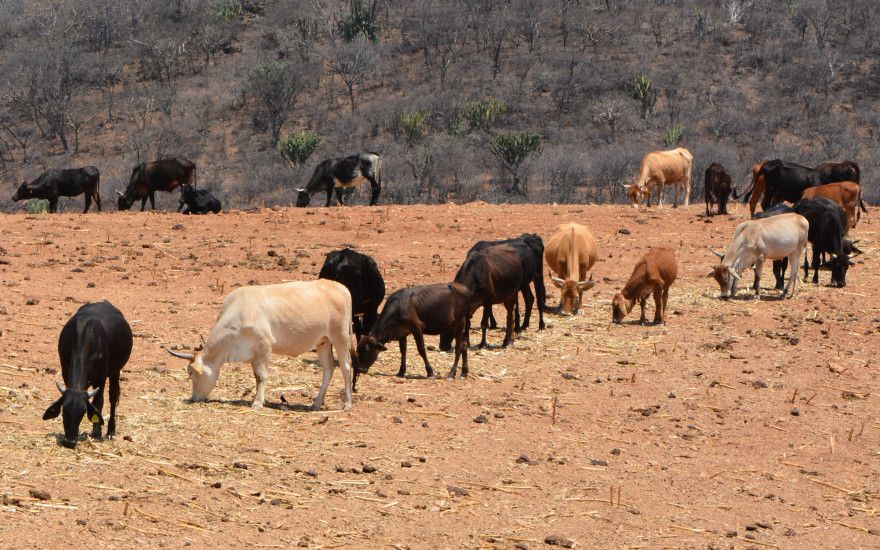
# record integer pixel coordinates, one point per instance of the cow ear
(94, 416)
(381, 347)
(54, 410)
(711, 274)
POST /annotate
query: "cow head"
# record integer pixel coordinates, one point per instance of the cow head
(204, 376)
(23, 193)
(571, 293)
(367, 352)
(302, 197)
(726, 277)
(636, 193)
(620, 307)
(73, 405)
(124, 202)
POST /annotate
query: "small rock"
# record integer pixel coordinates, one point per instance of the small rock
(751, 527)
(178, 227)
(397, 420)
(521, 546)
(311, 473)
(90, 285)
(499, 415)
(523, 459)
(595, 462)
(623, 231)
(730, 534)
(557, 540)
(82, 522)
(671, 395)
(481, 419)
(421, 459)
(240, 465)
(875, 532)
(763, 525)
(615, 451)
(424, 423)
(568, 376)
(32, 301)
(760, 383)
(340, 470)
(457, 491)
(40, 495)
(217, 485)
(406, 464)
(789, 532)
(368, 469)
(410, 399)
(795, 412)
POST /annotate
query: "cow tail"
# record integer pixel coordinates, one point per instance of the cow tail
(861, 206)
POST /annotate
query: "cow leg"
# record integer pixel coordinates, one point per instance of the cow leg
(114, 400)
(329, 196)
(339, 196)
(484, 324)
(665, 302)
(759, 265)
(53, 205)
(492, 322)
(508, 335)
(376, 188)
(325, 356)
(260, 364)
(88, 202)
(658, 305)
(779, 273)
(98, 403)
(343, 346)
(722, 205)
(794, 260)
(401, 372)
(642, 303)
(675, 197)
(98, 199)
(420, 345)
(708, 206)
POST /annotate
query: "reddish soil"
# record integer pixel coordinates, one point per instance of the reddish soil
(751, 424)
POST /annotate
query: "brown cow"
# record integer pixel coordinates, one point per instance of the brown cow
(662, 168)
(654, 273)
(756, 190)
(570, 253)
(848, 194)
(717, 188)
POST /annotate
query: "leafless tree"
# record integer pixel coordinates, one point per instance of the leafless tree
(276, 85)
(439, 37)
(354, 62)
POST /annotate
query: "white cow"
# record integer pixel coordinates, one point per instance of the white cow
(289, 319)
(773, 238)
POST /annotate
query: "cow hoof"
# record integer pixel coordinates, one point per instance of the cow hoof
(315, 408)
(347, 407)
(256, 406)
(431, 377)
(401, 374)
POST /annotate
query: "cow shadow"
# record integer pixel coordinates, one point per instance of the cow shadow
(274, 405)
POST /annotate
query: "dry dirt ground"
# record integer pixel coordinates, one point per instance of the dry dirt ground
(739, 424)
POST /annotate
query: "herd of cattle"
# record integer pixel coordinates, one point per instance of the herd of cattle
(339, 312)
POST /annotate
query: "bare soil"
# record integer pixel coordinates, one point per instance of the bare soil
(740, 423)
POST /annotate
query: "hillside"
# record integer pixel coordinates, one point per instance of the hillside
(110, 83)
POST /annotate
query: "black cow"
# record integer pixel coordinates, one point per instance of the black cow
(828, 226)
(63, 183)
(530, 247)
(361, 276)
(494, 276)
(840, 171)
(340, 174)
(93, 347)
(419, 310)
(160, 175)
(787, 181)
(197, 201)
(718, 185)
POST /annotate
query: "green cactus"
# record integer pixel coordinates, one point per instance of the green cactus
(643, 92)
(297, 148)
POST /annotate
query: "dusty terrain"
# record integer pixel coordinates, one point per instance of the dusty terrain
(741, 423)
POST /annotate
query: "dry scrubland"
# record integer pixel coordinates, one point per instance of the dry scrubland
(739, 423)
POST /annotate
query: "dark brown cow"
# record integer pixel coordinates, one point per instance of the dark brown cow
(654, 273)
(840, 171)
(160, 175)
(717, 182)
(63, 183)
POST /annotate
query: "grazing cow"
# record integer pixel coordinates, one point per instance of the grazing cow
(289, 319)
(718, 186)
(570, 253)
(662, 168)
(93, 347)
(160, 175)
(848, 194)
(493, 276)
(419, 310)
(197, 201)
(840, 171)
(828, 226)
(360, 275)
(531, 249)
(654, 273)
(343, 173)
(63, 183)
(757, 240)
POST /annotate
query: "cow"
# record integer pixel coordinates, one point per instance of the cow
(340, 174)
(570, 253)
(531, 249)
(71, 182)
(848, 194)
(160, 175)
(197, 201)
(717, 182)
(782, 236)
(419, 310)
(662, 168)
(288, 318)
(493, 276)
(828, 227)
(840, 171)
(94, 345)
(654, 273)
(360, 275)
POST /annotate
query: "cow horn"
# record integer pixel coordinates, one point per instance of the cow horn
(299, 189)
(734, 275)
(187, 356)
(716, 253)
(60, 386)
(557, 279)
(625, 186)
(92, 393)
(120, 193)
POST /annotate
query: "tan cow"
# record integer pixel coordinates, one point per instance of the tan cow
(570, 253)
(654, 273)
(662, 168)
(848, 194)
(289, 319)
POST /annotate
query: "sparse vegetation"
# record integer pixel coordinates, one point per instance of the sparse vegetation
(484, 114)
(414, 125)
(297, 148)
(511, 149)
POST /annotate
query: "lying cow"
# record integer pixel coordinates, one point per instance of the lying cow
(654, 273)
(289, 319)
(419, 310)
(160, 175)
(63, 183)
(848, 194)
(93, 347)
(774, 238)
(360, 275)
(340, 174)
(197, 201)
(570, 253)
(717, 188)
(662, 168)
